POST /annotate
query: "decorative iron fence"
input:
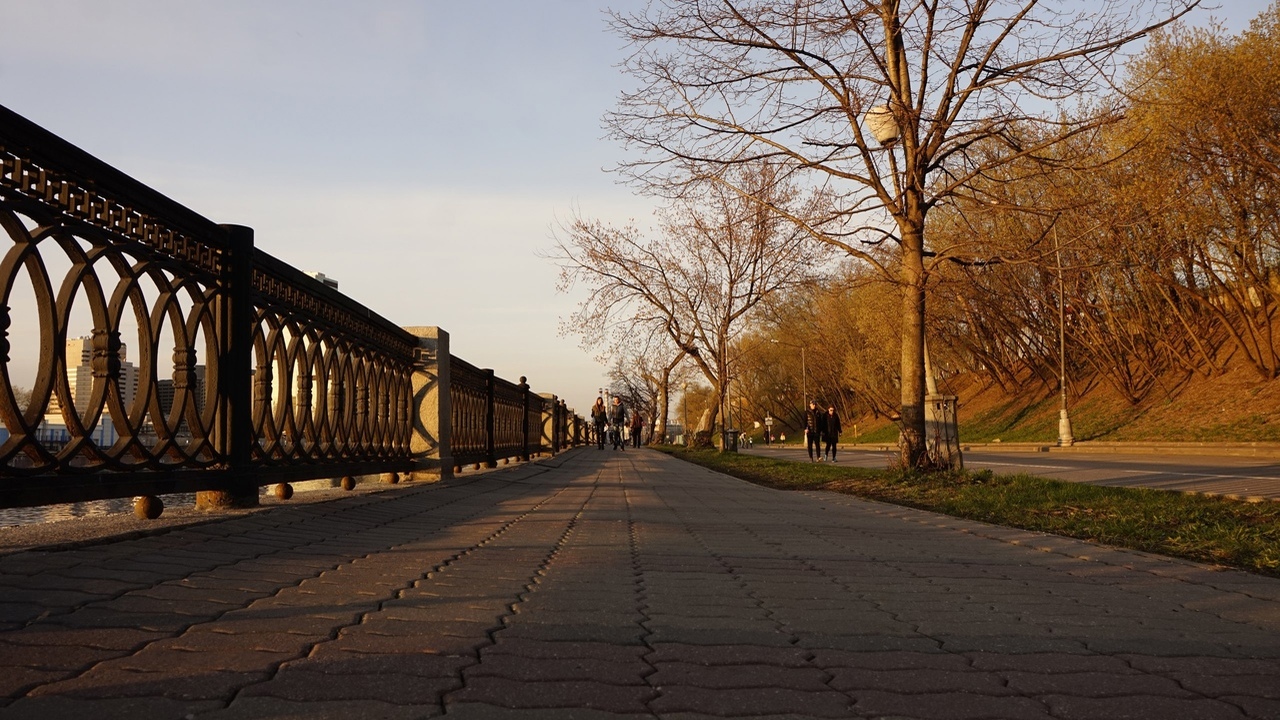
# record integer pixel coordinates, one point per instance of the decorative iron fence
(275, 377)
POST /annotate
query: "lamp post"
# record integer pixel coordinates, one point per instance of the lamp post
(684, 421)
(1065, 438)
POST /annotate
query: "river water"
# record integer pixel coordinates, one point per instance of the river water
(13, 517)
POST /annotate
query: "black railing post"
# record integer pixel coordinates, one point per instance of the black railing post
(490, 453)
(235, 378)
(524, 419)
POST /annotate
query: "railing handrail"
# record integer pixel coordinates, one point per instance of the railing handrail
(327, 379)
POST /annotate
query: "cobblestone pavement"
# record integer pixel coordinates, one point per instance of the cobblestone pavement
(599, 584)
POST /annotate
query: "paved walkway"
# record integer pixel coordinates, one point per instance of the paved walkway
(598, 584)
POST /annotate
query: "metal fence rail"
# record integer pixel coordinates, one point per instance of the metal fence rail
(274, 376)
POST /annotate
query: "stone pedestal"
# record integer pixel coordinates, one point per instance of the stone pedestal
(432, 414)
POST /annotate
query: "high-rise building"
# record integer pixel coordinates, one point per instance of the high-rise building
(80, 377)
(327, 281)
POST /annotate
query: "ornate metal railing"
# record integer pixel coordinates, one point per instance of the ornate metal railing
(275, 377)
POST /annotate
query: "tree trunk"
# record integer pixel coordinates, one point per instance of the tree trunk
(913, 373)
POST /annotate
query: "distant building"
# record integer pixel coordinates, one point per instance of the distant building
(80, 377)
(80, 381)
(327, 281)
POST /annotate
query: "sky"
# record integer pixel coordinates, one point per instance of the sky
(420, 152)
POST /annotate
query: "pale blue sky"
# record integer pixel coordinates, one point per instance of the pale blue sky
(418, 151)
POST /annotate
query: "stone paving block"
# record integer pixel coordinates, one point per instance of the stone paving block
(1049, 663)
(761, 636)
(395, 645)
(1012, 644)
(252, 622)
(745, 611)
(15, 681)
(226, 581)
(918, 680)
(379, 624)
(1256, 707)
(868, 643)
(1204, 665)
(52, 634)
(481, 711)
(569, 694)
(950, 706)
(273, 708)
(738, 676)
(542, 649)
(618, 634)
(526, 669)
(1094, 684)
(1219, 686)
(329, 658)
(281, 643)
(889, 660)
(299, 684)
(751, 701)
(161, 657)
(12, 611)
(100, 587)
(53, 657)
(619, 616)
(1139, 707)
(179, 683)
(101, 617)
(727, 655)
(142, 605)
(678, 623)
(123, 708)
(444, 612)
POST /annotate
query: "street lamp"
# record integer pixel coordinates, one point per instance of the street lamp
(1065, 438)
(684, 421)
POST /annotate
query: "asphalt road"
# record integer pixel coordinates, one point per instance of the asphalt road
(1233, 476)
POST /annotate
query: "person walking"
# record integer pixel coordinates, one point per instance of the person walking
(815, 424)
(599, 418)
(637, 428)
(833, 432)
(617, 421)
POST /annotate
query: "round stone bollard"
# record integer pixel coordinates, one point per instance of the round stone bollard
(348, 482)
(284, 491)
(147, 507)
(390, 478)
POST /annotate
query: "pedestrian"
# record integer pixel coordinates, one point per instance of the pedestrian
(815, 424)
(617, 421)
(833, 432)
(599, 418)
(637, 428)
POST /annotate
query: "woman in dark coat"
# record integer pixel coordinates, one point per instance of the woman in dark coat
(832, 435)
(599, 418)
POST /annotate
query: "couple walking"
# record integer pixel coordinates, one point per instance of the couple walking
(821, 432)
(610, 421)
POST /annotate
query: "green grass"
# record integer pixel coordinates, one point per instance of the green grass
(1211, 530)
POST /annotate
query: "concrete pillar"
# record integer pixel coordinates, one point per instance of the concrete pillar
(431, 412)
(549, 408)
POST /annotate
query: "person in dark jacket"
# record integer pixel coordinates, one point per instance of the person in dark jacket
(637, 428)
(617, 421)
(832, 436)
(600, 419)
(815, 425)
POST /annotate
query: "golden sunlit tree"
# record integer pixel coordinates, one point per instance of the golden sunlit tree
(880, 103)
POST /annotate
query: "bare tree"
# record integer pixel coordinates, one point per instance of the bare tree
(719, 255)
(723, 82)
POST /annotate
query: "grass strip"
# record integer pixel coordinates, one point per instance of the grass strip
(1218, 531)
